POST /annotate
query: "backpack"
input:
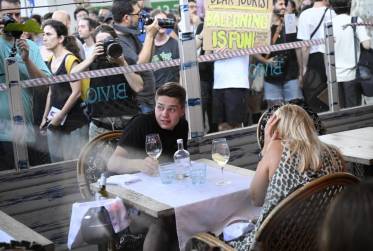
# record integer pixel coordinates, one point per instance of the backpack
(70, 59)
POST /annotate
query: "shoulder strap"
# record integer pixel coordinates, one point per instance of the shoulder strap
(318, 26)
(70, 59)
(354, 21)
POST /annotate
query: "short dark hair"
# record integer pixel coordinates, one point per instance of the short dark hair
(173, 90)
(11, 1)
(341, 6)
(121, 8)
(36, 17)
(79, 9)
(92, 24)
(348, 221)
(47, 16)
(105, 28)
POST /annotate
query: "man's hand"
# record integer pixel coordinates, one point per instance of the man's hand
(149, 166)
(24, 48)
(152, 29)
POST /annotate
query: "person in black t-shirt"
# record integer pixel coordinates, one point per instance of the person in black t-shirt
(283, 68)
(111, 100)
(167, 120)
(129, 157)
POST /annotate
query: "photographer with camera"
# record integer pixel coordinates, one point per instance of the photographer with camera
(283, 76)
(166, 48)
(111, 100)
(30, 65)
(126, 16)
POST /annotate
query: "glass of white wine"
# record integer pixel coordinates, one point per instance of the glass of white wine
(153, 145)
(220, 154)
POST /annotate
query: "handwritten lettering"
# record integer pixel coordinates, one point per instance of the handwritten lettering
(232, 39)
(254, 21)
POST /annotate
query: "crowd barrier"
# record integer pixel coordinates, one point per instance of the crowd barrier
(163, 64)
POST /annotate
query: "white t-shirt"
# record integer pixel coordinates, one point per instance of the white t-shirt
(308, 21)
(232, 73)
(344, 46)
(88, 50)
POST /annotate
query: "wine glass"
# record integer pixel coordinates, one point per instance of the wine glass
(220, 154)
(153, 145)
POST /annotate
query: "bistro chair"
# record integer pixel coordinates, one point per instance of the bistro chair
(93, 159)
(262, 122)
(294, 224)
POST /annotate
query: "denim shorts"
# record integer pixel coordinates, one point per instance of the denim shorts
(283, 91)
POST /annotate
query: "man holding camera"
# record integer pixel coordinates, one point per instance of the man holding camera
(30, 65)
(110, 99)
(126, 16)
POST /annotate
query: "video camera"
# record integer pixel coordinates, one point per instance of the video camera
(6, 20)
(146, 19)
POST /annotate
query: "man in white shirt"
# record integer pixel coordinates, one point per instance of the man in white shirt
(311, 26)
(86, 28)
(350, 87)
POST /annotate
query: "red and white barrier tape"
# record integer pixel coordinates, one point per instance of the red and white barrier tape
(358, 24)
(162, 64)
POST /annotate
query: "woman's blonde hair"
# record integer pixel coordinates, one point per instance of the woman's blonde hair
(297, 132)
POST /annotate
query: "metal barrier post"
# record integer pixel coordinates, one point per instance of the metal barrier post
(329, 59)
(16, 114)
(189, 73)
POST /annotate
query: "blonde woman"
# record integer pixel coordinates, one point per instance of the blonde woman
(293, 155)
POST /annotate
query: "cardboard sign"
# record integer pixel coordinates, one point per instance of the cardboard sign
(237, 24)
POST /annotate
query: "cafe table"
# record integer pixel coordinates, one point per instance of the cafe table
(196, 207)
(11, 229)
(355, 145)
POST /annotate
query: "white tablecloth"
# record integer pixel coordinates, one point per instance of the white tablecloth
(200, 208)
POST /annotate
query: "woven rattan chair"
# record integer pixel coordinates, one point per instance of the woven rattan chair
(294, 223)
(93, 159)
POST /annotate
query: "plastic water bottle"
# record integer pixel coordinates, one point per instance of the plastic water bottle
(182, 160)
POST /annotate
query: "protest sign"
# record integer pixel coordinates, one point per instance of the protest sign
(237, 24)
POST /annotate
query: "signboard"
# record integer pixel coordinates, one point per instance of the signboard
(165, 5)
(237, 24)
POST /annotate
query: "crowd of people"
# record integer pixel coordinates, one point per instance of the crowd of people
(86, 108)
(71, 113)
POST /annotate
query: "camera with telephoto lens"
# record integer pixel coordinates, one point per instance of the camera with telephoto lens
(8, 19)
(167, 23)
(112, 47)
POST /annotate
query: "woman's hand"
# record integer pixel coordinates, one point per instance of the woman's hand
(269, 133)
(43, 123)
(98, 51)
(57, 119)
(119, 60)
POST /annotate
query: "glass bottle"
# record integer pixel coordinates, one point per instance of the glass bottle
(182, 160)
(102, 193)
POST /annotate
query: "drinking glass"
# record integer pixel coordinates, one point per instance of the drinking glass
(153, 145)
(220, 154)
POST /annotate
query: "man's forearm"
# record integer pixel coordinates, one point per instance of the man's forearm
(146, 52)
(122, 165)
(305, 56)
(33, 71)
